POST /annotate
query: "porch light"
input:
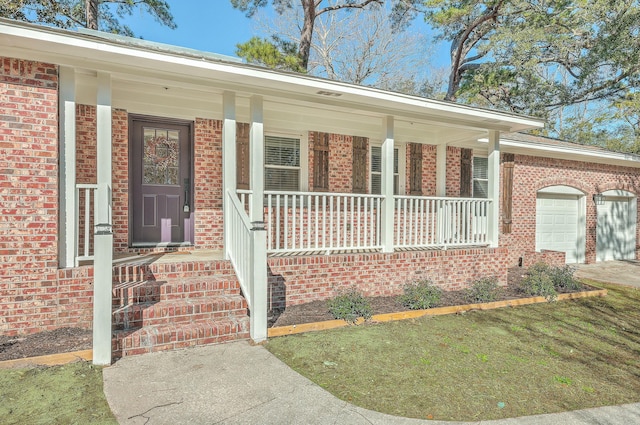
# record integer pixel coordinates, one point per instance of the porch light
(598, 199)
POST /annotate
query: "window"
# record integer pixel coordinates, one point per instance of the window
(376, 171)
(480, 177)
(281, 163)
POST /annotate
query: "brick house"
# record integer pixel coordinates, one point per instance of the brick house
(157, 194)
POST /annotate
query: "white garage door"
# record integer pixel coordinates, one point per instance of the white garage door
(616, 231)
(557, 224)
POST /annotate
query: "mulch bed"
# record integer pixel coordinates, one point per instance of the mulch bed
(49, 342)
(317, 311)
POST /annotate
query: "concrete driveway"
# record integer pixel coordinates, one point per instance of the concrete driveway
(625, 272)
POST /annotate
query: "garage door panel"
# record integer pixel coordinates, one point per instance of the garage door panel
(615, 233)
(557, 224)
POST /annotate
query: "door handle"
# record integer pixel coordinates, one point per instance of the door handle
(185, 207)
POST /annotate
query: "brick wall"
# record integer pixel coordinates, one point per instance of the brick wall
(453, 171)
(429, 158)
(553, 258)
(208, 184)
(298, 280)
(120, 176)
(29, 285)
(534, 173)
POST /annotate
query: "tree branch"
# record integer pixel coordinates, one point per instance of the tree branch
(361, 5)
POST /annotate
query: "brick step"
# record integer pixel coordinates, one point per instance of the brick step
(140, 271)
(182, 310)
(145, 292)
(170, 337)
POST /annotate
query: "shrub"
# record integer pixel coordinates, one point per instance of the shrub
(421, 295)
(563, 279)
(538, 281)
(349, 306)
(483, 290)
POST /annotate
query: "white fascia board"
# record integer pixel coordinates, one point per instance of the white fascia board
(569, 153)
(74, 49)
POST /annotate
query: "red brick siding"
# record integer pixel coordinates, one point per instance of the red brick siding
(29, 286)
(86, 136)
(533, 173)
(208, 184)
(554, 258)
(340, 163)
(453, 172)
(86, 170)
(299, 280)
(120, 176)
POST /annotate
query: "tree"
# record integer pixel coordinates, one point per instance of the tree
(536, 55)
(357, 46)
(104, 15)
(312, 10)
(276, 54)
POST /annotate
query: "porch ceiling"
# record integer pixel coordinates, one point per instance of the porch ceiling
(165, 80)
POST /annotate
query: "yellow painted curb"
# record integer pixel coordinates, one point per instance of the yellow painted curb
(48, 360)
(437, 311)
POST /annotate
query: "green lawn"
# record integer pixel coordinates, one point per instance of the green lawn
(482, 365)
(69, 394)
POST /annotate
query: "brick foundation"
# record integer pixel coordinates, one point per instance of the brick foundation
(299, 280)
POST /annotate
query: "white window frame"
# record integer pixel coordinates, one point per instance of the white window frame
(303, 168)
(402, 165)
(474, 179)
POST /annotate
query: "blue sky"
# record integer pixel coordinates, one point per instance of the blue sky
(209, 25)
(214, 26)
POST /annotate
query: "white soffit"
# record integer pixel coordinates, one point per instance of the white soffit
(132, 56)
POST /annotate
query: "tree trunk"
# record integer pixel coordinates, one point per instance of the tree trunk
(309, 8)
(92, 14)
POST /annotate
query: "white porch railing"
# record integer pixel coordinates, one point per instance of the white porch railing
(85, 219)
(324, 222)
(423, 222)
(246, 250)
(245, 198)
(300, 222)
(239, 248)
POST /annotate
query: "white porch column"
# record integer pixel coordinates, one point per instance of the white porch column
(388, 205)
(103, 251)
(493, 165)
(68, 211)
(259, 279)
(256, 159)
(229, 159)
(441, 170)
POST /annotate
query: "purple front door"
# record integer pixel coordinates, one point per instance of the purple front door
(161, 189)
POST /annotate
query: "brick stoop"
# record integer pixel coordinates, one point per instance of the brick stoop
(165, 306)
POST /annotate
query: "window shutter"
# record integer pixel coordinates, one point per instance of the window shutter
(321, 162)
(359, 175)
(465, 172)
(415, 170)
(507, 192)
(242, 155)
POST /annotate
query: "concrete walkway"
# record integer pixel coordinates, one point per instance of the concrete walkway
(620, 272)
(237, 383)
